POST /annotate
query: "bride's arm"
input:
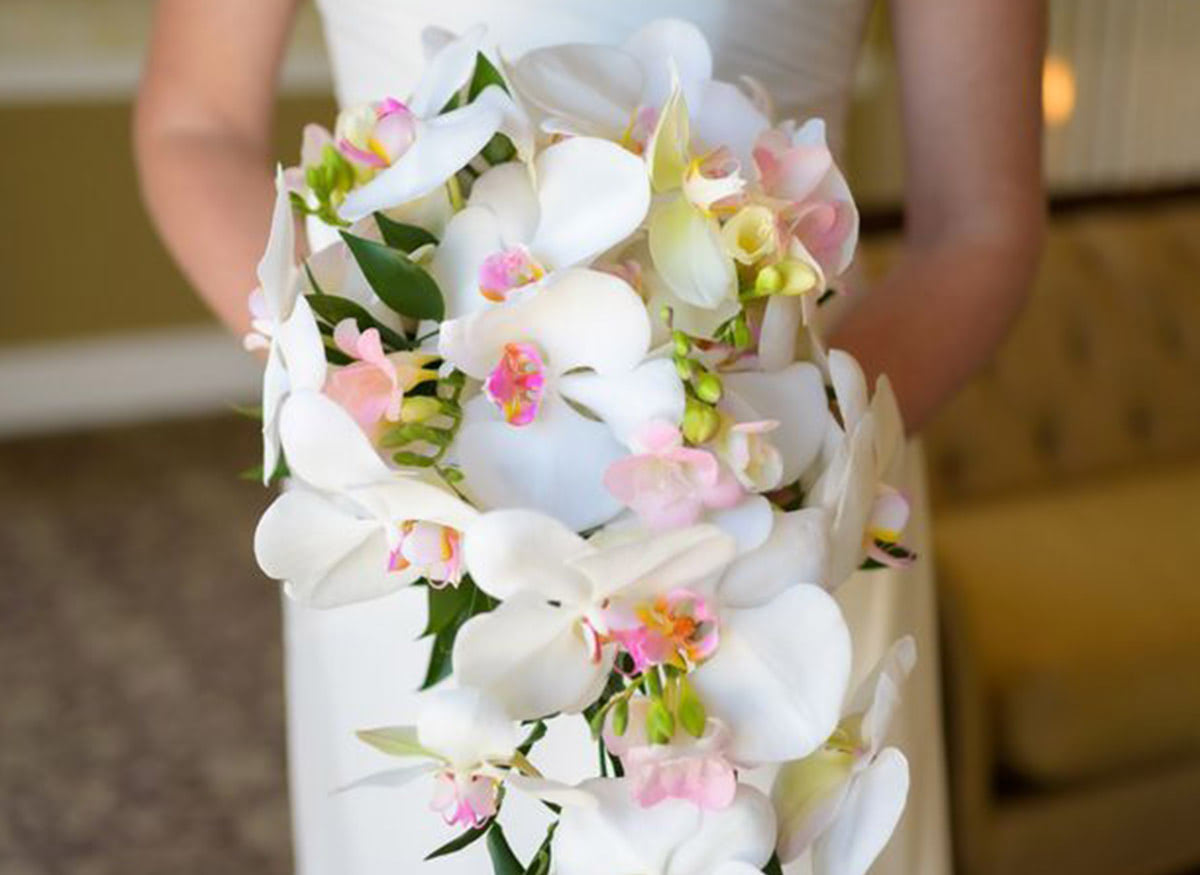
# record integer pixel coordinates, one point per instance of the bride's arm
(202, 136)
(974, 218)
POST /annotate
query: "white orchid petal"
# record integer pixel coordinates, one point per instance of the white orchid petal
(777, 340)
(725, 116)
(446, 72)
(577, 318)
(443, 145)
(466, 727)
(404, 497)
(674, 837)
(627, 401)
(878, 697)
(656, 563)
(855, 478)
(391, 778)
(599, 85)
(688, 253)
(554, 792)
(531, 656)
(276, 267)
(686, 317)
(471, 236)
(324, 445)
(512, 551)
(749, 522)
(304, 534)
(508, 192)
(889, 427)
(669, 46)
(796, 552)
(275, 388)
(795, 397)
(593, 194)
(555, 464)
(849, 387)
(667, 152)
(779, 675)
(303, 350)
(807, 795)
(867, 818)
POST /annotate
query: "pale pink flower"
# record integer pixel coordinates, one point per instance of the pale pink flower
(377, 135)
(667, 484)
(372, 387)
(465, 800)
(694, 769)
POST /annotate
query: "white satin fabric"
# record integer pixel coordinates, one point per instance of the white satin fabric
(357, 667)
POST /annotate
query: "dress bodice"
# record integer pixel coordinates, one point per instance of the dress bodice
(803, 51)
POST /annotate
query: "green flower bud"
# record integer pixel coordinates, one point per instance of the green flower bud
(683, 367)
(660, 723)
(700, 423)
(419, 408)
(709, 388)
(683, 343)
(769, 280)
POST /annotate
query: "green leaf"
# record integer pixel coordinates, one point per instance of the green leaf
(446, 604)
(460, 841)
(399, 282)
(396, 741)
(333, 310)
(504, 861)
(398, 235)
(540, 864)
(773, 867)
(440, 656)
(485, 74)
(691, 710)
(535, 735)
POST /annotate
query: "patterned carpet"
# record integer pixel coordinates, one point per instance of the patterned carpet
(141, 709)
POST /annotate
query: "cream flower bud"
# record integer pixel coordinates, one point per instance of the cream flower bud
(751, 235)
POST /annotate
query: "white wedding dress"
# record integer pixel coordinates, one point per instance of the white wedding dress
(358, 666)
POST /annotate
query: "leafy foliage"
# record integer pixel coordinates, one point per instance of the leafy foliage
(449, 608)
(399, 281)
(406, 238)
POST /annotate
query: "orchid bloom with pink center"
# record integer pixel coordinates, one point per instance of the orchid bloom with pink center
(886, 524)
(372, 387)
(434, 550)
(668, 484)
(467, 801)
(676, 628)
(375, 136)
(695, 769)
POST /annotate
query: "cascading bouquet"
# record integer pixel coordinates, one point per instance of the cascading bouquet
(554, 357)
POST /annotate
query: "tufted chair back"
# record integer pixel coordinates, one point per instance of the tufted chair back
(1102, 371)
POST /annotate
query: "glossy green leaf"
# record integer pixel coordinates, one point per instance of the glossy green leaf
(460, 841)
(504, 861)
(399, 282)
(333, 310)
(485, 74)
(398, 235)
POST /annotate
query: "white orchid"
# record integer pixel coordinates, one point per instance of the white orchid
(845, 800)
(521, 443)
(466, 741)
(769, 661)
(617, 836)
(581, 197)
(283, 324)
(542, 650)
(351, 529)
(424, 147)
(860, 452)
(617, 93)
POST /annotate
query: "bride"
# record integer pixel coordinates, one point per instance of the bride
(973, 222)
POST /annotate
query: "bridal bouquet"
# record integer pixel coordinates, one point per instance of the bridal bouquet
(555, 358)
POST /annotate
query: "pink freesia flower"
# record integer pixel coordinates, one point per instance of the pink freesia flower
(667, 484)
(678, 628)
(467, 801)
(516, 385)
(434, 550)
(695, 769)
(372, 387)
(377, 135)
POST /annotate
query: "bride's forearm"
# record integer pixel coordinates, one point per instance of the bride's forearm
(940, 313)
(210, 197)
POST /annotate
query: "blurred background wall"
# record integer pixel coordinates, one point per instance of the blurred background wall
(141, 709)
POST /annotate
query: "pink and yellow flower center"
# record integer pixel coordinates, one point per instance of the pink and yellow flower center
(466, 801)
(517, 384)
(507, 270)
(434, 550)
(378, 135)
(677, 629)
